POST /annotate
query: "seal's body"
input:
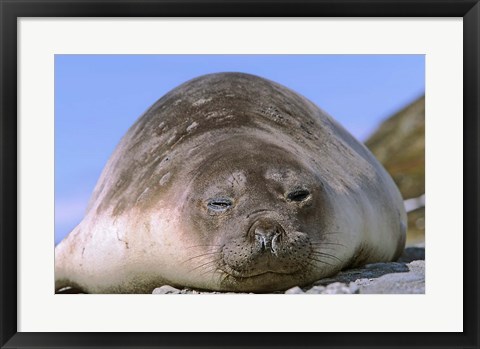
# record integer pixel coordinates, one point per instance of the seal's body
(232, 182)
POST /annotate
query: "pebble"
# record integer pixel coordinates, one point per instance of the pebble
(166, 289)
(294, 290)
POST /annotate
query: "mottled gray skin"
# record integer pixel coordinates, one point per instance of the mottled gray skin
(232, 182)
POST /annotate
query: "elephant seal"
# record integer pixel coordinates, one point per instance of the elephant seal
(232, 182)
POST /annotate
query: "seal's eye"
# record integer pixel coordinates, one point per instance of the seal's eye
(298, 195)
(219, 204)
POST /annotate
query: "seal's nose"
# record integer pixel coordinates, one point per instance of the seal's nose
(268, 234)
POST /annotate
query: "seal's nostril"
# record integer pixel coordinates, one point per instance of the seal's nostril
(266, 238)
(266, 233)
(261, 240)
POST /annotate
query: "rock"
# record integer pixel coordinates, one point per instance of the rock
(369, 271)
(166, 289)
(334, 288)
(399, 283)
(399, 144)
(316, 290)
(341, 288)
(189, 291)
(353, 288)
(417, 267)
(294, 290)
(412, 254)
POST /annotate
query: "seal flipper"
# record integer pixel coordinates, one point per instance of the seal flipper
(63, 270)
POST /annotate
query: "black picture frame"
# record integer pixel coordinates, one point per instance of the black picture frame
(11, 10)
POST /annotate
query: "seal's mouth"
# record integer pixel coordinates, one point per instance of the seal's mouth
(268, 274)
(261, 282)
(240, 275)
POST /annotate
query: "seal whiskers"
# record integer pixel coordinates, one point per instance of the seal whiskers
(323, 254)
(201, 255)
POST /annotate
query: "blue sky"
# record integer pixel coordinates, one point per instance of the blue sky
(98, 97)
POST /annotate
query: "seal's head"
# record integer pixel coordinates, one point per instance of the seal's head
(258, 219)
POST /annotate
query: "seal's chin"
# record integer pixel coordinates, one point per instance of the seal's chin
(262, 282)
(239, 275)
